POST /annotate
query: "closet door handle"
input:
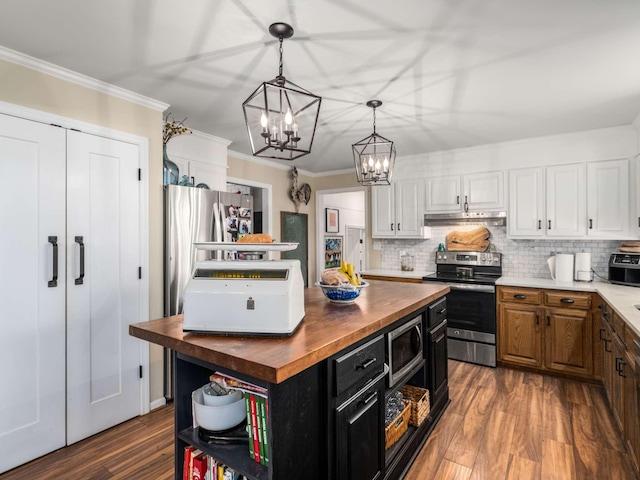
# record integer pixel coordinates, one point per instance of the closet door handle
(53, 240)
(80, 280)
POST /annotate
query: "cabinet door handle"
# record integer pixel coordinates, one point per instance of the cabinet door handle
(458, 203)
(601, 332)
(369, 398)
(591, 223)
(567, 300)
(466, 204)
(366, 364)
(548, 320)
(549, 225)
(519, 296)
(539, 224)
(601, 306)
(193, 180)
(398, 227)
(606, 315)
(392, 227)
(619, 365)
(80, 280)
(53, 240)
(606, 345)
(537, 318)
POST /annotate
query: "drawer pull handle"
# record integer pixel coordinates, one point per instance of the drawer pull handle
(367, 364)
(567, 300)
(444, 310)
(520, 296)
(369, 398)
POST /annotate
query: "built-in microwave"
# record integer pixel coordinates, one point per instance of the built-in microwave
(404, 349)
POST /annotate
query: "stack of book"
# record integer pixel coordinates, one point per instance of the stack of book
(257, 405)
(200, 466)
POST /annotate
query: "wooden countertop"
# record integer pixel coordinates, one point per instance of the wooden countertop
(326, 329)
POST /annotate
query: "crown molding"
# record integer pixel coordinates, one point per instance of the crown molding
(280, 166)
(209, 137)
(62, 73)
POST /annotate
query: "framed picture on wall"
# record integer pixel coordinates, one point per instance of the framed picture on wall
(332, 220)
(333, 251)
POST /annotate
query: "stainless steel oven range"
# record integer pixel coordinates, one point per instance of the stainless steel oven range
(471, 304)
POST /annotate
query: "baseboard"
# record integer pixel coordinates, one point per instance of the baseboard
(161, 402)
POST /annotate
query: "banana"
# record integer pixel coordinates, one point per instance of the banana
(348, 269)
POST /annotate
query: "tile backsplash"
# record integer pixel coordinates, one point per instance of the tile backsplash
(521, 258)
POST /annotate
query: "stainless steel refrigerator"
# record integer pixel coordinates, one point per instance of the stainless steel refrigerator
(196, 215)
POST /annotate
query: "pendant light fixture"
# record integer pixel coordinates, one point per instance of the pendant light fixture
(281, 117)
(374, 156)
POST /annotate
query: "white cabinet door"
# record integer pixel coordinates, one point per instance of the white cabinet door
(566, 201)
(383, 211)
(526, 203)
(408, 202)
(214, 176)
(442, 194)
(483, 191)
(103, 381)
(32, 343)
(608, 199)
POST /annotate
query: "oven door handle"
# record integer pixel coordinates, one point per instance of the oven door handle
(472, 287)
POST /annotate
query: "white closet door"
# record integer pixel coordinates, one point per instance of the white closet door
(103, 384)
(32, 343)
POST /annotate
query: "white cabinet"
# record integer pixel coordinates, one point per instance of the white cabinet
(473, 192)
(70, 252)
(547, 202)
(202, 158)
(608, 199)
(566, 201)
(396, 209)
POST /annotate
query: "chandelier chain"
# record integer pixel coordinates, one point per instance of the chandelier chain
(280, 70)
(374, 119)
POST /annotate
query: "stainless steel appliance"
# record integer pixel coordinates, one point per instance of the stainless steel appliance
(404, 349)
(196, 215)
(471, 304)
(624, 268)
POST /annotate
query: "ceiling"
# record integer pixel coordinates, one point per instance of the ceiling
(450, 73)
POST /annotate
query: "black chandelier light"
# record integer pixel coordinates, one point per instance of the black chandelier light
(374, 156)
(281, 117)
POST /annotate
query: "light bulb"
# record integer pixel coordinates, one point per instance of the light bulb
(385, 165)
(264, 122)
(288, 118)
(370, 162)
(378, 167)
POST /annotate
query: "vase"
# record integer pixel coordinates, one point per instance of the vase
(170, 173)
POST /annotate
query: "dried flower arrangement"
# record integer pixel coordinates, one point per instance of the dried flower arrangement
(173, 128)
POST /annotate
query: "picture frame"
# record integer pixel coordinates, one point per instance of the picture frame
(333, 246)
(332, 220)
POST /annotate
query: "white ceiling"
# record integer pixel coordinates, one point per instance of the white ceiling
(450, 73)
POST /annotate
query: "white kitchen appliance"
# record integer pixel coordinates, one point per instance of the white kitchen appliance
(253, 297)
(561, 267)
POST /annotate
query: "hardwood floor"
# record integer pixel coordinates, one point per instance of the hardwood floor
(501, 424)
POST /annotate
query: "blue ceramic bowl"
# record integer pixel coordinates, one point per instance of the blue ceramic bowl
(338, 294)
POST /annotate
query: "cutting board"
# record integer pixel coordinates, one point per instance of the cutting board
(476, 240)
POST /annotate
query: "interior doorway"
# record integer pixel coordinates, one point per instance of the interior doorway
(355, 246)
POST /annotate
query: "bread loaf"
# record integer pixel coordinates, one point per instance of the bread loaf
(256, 238)
(333, 277)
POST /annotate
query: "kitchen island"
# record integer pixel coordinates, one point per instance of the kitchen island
(300, 374)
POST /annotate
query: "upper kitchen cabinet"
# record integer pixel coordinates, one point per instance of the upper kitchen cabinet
(479, 191)
(608, 199)
(396, 209)
(570, 201)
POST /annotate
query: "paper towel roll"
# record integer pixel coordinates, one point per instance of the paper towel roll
(564, 267)
(583, 267)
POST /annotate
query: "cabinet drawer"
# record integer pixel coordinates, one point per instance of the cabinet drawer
(359, 365)
(437, 313)
(568, 299)
(520, 295)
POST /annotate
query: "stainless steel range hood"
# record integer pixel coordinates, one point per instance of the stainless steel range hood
(495, 219)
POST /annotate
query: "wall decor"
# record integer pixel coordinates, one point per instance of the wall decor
(331, 220)
(293, 228)
(333, 251)
(301, 194)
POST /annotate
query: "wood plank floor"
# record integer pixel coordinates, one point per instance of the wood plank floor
(501, 424)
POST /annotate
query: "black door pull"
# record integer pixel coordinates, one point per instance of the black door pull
(519, 296)
(567, 300)
(53, 240)
(80, 280)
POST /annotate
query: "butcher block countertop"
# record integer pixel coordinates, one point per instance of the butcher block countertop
(326, 329)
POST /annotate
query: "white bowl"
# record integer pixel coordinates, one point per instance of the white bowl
(220, 417)
(219, 400)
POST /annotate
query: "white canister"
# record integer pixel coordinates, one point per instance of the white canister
(564, 267)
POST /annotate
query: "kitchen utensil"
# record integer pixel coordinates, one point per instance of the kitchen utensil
(219, 417)
(561, 267)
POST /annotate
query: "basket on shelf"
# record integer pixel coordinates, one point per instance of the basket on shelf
(420, 405)
(396, 429)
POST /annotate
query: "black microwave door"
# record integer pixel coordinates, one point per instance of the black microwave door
(405, 348)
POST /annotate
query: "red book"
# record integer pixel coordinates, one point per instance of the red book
(199, 467)
(254, 426)
(187, 459)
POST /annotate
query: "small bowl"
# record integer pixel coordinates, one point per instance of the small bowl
(341, 293)
(217, 418)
